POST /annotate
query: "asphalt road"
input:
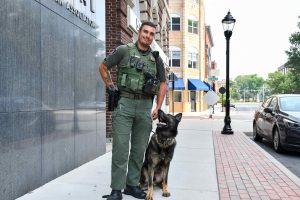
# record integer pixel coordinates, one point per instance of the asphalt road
(289, 159)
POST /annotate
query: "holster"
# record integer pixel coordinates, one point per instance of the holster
(113, 98)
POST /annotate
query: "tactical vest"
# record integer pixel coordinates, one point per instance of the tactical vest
(132, 76)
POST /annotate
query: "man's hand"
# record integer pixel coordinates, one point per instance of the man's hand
(154, 114)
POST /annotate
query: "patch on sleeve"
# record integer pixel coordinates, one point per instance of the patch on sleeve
(113, 51)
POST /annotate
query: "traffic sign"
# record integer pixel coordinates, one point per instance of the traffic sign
(212, 78)
(211, 98)
(222, 90)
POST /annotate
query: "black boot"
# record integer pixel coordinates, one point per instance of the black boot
(115, 195)
(135, 191)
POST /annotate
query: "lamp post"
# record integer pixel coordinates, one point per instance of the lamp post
(228, 24)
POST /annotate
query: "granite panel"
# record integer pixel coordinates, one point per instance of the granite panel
(5, 156)
(85, 82)
(57, 61)
(100, 86)
(4, 80)
(99, 17)
(26, 152)
(58, 9)
(57, 143)
(85, 136)
(7, 51)
(25, 79)
(20, 54)
(101, 132)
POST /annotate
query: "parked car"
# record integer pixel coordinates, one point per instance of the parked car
(278, 120)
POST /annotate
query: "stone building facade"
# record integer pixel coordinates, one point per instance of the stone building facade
(52, 102)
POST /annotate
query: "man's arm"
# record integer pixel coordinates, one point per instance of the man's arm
(105, 75)
(160, 98)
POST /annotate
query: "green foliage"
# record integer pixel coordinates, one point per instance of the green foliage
(276, 81)
(292, 83)
(294, 52)
(248, 87)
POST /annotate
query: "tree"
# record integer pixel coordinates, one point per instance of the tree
(248, 86)
(294, 52)
(281, 83)
(294, 62)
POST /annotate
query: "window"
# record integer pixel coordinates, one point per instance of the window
(193, 26)
(175, 54)
(193, 58)
(177, 96)
(175, 22)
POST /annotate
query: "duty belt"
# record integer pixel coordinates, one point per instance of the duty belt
(135, 96)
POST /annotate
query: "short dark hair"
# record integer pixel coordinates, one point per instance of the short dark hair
(147, 23)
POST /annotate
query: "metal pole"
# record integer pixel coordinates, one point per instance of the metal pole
(222, 104)
(173, 94)
(227, 127)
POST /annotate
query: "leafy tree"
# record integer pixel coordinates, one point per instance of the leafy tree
(248, 86)
(293, 62)
(294, 52)
(280, 83)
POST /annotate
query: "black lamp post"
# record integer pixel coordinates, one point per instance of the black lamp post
(228, 24)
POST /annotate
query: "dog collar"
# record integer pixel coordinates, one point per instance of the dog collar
(164, 143)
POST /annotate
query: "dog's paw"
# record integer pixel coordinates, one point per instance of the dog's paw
(166, 194)
(149, 198)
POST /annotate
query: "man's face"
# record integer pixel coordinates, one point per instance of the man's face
(146, 35)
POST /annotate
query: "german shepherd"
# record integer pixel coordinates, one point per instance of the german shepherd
(159, 154)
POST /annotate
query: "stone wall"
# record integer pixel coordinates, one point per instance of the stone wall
(52, 102)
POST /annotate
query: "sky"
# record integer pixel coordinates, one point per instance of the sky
(260, 36)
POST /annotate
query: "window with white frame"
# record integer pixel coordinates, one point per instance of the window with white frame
(175, 22)
(193, 25)
(193, 58)
(175, 54)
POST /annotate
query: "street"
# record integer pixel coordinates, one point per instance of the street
(242, 116)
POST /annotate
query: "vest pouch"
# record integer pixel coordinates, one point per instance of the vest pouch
(134, 84)
(151, 85)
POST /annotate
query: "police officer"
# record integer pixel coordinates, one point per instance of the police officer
(140, 76)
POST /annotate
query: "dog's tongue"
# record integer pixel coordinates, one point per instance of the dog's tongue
(161, 124)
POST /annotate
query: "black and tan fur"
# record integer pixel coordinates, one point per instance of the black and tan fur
(159, 154)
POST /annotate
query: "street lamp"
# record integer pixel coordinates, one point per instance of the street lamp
(228, 24)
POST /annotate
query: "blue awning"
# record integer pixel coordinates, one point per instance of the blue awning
(196, 84)
(208, 85)
(178, 84)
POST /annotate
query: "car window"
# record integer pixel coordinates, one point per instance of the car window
(267, 102)
(290, 103)
(273, 103)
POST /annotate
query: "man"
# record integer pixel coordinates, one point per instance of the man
(140, 76)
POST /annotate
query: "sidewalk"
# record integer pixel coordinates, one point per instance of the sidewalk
(206, 166)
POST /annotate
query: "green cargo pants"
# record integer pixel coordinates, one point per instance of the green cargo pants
(131, 127)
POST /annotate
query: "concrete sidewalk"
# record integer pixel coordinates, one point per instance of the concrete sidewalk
(206, 166)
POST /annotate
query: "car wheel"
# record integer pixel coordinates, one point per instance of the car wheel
(276, 141)
(256, 136)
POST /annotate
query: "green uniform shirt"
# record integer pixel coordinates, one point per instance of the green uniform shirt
(121, 56)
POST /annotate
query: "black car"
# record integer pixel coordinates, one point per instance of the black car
(278, 120)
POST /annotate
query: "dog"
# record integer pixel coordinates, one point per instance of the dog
(159, 154)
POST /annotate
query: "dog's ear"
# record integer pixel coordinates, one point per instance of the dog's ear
(178, 117)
